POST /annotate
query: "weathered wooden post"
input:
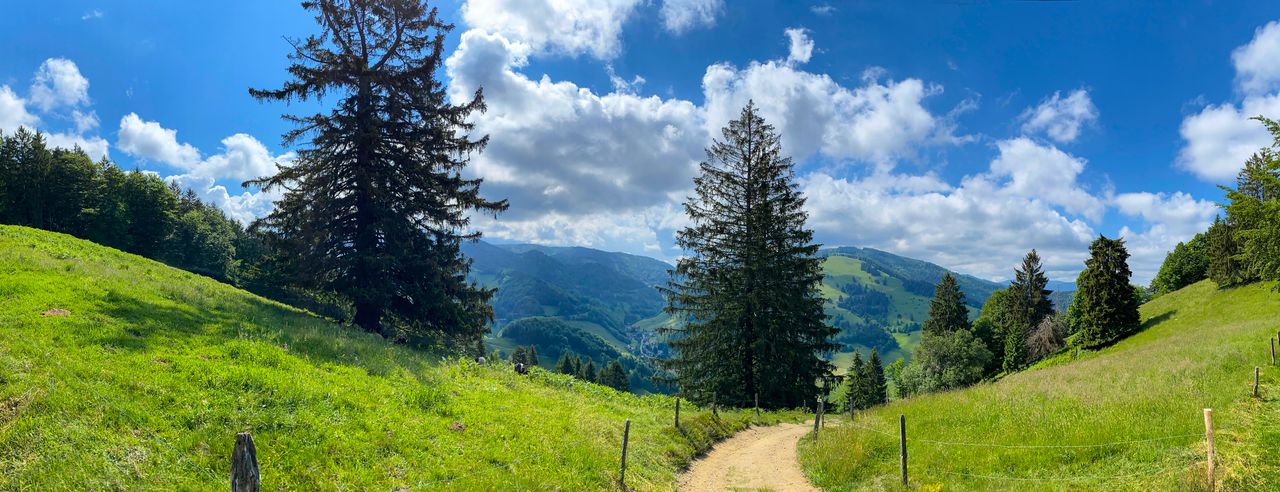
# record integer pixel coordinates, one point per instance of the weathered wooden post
(1255, 381)
(622, 473)
(817, 420)
(1208, 437)
(758, 399)
(902, 447)
(244, 465)
(677, 412)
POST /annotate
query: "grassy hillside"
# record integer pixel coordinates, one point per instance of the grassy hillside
(118, 372)
(1197, 350)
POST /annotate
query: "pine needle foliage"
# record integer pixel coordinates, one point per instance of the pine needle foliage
(375, 206)
(747, 293)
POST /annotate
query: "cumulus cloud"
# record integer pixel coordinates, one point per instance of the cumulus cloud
(1170, 219)
(149, 140)
(92, 14)
(1061, 118)
(560, 148)
(241, 158)
(570, 27)
(1258, 63)
(679, 16)
(13, 111)
(877, 122)
(94, 147)
(978, 227)
(801, 45)
(58, 83)
(1221, 137)
(1045, 172)
(823, 9)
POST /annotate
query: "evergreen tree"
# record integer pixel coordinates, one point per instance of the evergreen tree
(947, 312)
(375, 206)
(1030, 281)
(1187, 264)
(532, 355)
(565, 365)
(1017, 326)
(1105, 307)
(990, 328)
(519, 356)
(752, 319)
(588, 371)
(614, 376)
(873, 379)
(855, 387)
(1226, 267)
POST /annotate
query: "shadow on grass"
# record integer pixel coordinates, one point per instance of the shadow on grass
(1150, 323)
(145, 324)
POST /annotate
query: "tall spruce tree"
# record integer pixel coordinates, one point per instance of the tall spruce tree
(947, 312)
(375, 206)
(1105, 306)
(877, 391)
(747, 293)
(1030, 281)
(855, 386)
(1017, 326)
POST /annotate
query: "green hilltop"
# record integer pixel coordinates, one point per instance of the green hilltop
(118, 372)
(1126, 417)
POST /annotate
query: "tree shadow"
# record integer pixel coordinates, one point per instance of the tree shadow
(1150, 323)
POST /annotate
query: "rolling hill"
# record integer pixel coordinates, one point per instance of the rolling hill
(1127, 417)
(121, 373)
(599, 298)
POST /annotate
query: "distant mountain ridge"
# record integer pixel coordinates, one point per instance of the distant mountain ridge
(877, 299)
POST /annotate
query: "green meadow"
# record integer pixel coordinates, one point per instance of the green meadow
(121, 373)
(1126, 417)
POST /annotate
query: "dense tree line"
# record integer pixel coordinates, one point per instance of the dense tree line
(864, 385)
(751, 319)
(613, 375)
(1244, 245)
(63, 190)
(864, 301)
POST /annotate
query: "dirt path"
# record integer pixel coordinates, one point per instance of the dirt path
(758, 458)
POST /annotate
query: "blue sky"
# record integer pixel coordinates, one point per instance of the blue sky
(959, 133)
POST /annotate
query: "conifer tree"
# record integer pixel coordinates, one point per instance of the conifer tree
(614, 376)
(1017, 326)
(855, 393)
(375, 206)
(947, 312)
(1030, 281)
(532, 355)
(565, 365)
(1105, 306)
(1226, 268)
(588, 371)
(519, 356)
(752, 319)
(877, 391)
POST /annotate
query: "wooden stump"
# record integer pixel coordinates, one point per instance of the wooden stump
(244, 465)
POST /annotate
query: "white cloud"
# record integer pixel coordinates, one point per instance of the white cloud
(1221, 137)
(1061, 118)
(679, 16)
(1045, 173)
(823, 9)
(58, 83)
(84, 121)
(241, 158)
(570, 27)
(801, 45)
(1170, 219)
(149, 140)
(94, 147)
(92, 14)
(13, 112)
(977, 228)
(1258, 63)
(558, 148)
(877, 122)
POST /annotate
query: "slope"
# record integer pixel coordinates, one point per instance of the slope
(118, 372)
(1197, 349)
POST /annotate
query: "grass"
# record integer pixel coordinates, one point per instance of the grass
(1197, 349)
(146, 377)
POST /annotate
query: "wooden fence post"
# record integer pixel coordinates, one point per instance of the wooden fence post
(622, 473)
(1208, 436)
(1255, 381)
(244, 465)
(902, 447)
(817, 420)
(677, 412)
(758, 399)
